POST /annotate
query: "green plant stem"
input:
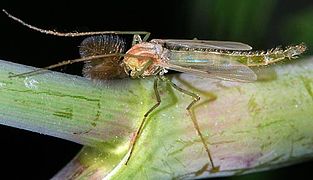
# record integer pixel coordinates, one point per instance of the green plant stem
(248, 126)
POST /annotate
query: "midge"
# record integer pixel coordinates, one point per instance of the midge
(105, 57)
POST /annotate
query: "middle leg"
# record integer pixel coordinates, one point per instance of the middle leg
(196, 98)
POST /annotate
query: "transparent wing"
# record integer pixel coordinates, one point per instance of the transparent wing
(225, 69)
(202, 44)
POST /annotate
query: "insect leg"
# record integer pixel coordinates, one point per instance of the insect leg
(146, 65)
(66, 62)
(75, 34)
(145, 38)
(138, 132)
(196, 98)
(136, 39)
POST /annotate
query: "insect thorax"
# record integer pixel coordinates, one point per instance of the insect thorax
(143, 60)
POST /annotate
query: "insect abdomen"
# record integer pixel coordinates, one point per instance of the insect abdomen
(249, 58)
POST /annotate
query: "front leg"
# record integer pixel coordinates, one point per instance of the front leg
(140, 128)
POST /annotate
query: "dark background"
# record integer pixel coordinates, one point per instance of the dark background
(260, 23)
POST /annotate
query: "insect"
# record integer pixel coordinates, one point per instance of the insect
(105, 57)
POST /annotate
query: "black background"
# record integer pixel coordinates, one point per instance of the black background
(33, 156)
